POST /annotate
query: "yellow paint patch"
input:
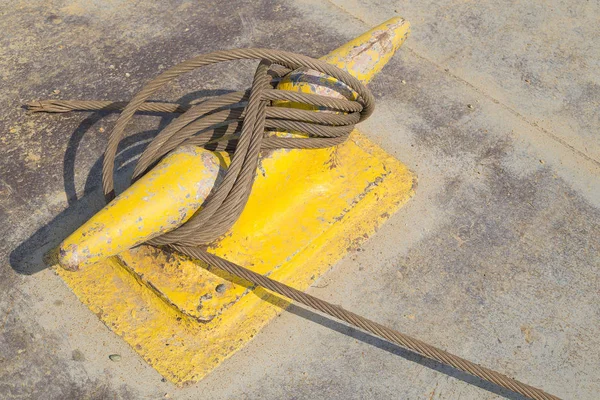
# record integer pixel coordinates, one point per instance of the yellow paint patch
(307, 209)
(151, 298)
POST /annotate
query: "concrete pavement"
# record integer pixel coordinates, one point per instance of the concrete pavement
(494, 106)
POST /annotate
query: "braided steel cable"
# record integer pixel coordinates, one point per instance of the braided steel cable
(366, 324)
(245, 116)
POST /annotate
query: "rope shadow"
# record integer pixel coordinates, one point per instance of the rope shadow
(28, 258)
(367, 338)
(94, 176)
(401, 352)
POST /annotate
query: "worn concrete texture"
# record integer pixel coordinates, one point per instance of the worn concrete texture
(495, 106)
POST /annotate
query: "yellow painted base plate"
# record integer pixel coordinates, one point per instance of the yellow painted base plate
(308, 208)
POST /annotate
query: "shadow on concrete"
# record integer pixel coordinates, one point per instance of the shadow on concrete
(343, 328)
(29, 257)
(409, 355)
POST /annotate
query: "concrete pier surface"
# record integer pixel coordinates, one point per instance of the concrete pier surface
(494, 106)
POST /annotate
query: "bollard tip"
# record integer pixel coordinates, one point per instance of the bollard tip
(364, 56)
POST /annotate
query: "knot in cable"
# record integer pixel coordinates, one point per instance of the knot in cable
(242, 124)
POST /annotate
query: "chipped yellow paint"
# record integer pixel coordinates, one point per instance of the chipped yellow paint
(160, 201)
(364, 56)
(184, 317)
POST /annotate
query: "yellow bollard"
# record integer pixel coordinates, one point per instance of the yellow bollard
(183, 317)
(180, 183)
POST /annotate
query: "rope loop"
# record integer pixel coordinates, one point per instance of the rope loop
(239, 122)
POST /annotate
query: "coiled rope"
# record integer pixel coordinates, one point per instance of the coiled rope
(237, 122)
